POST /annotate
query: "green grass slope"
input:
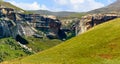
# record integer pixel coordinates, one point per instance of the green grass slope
(39, 45)
(9, 5)
(100, 45)
(10, 49)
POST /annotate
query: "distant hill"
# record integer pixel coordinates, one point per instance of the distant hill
(46, 12)
(42, 12)
(99, 45)
(114, 7)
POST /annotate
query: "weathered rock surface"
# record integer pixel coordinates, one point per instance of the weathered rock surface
(89, 21)
(12, 24)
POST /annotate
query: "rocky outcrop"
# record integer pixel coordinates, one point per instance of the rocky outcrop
(11, 28)
(26, 24)
(50, 26)
(89, 21)
(11, 24)
(4, 29)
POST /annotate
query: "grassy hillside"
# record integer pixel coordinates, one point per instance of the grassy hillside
(38, 44)
(10, 49)
(9, 5)
(100, 45)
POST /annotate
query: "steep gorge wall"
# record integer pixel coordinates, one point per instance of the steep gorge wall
(4, 29)
(8, 29)
(89, 21)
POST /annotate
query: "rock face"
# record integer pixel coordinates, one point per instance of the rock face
(7, 30)
(49, 26)
(12, 24)
(89, 21)
(4, 29)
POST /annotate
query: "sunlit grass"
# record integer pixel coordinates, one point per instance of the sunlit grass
(99, 45)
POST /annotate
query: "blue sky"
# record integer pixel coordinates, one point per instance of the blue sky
(61, 5)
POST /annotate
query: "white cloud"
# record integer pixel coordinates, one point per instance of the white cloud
(62, 5)
(80, 5)
(76, 1)
(109, 1)
(29, 6)
(61, 2)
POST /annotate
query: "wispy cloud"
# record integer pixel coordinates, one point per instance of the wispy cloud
(61, 5)
(109, 1)
(29, 6)
(79, 5)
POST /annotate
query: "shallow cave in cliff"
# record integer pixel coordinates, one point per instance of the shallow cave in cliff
(61, 34)
(21, 39)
